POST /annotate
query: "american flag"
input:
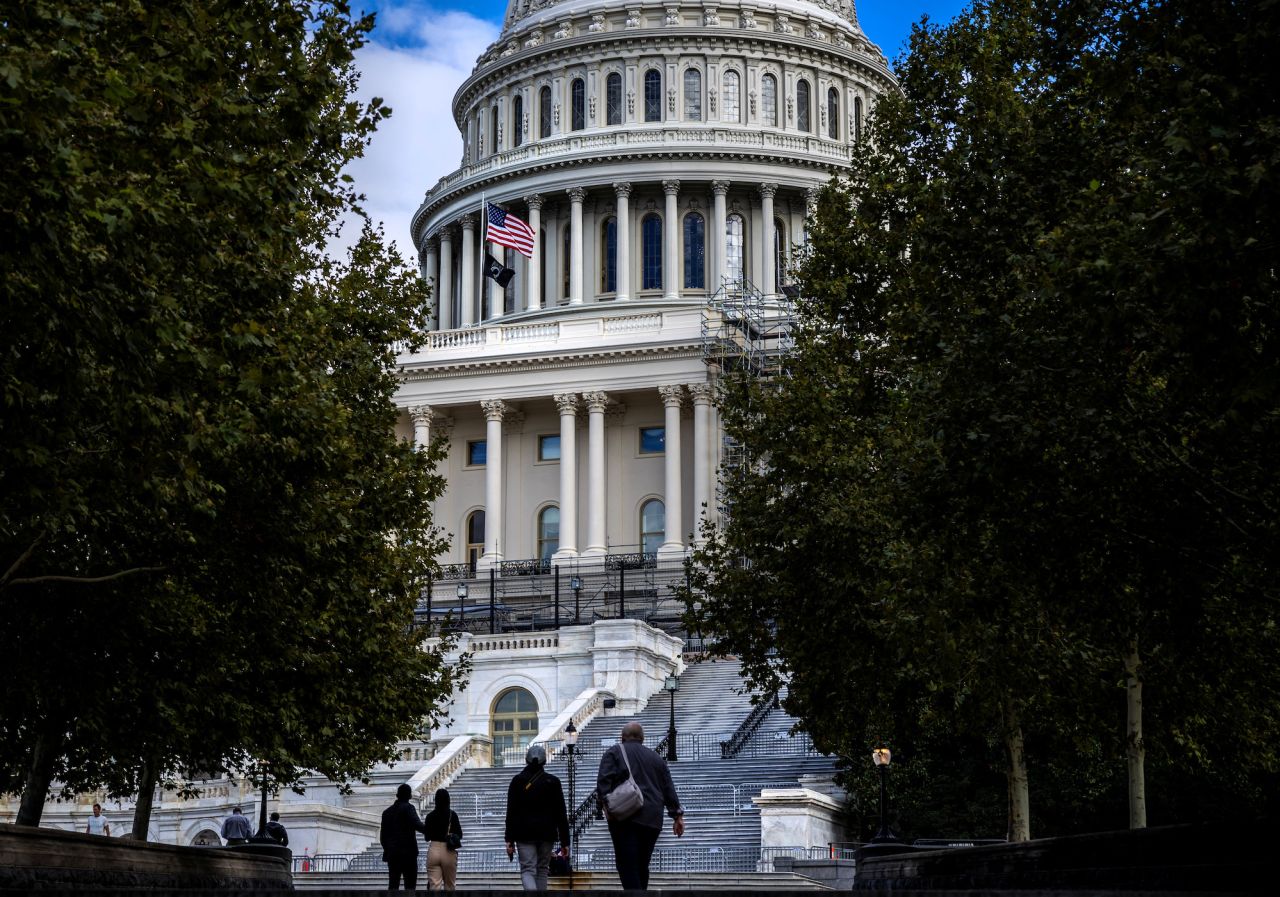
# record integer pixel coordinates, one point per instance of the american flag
(508, 230)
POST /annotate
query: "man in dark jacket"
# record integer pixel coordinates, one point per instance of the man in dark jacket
(634, 837)
(399, 840)
(535, 816)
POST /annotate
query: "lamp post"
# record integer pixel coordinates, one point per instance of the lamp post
(576, 585)
(571, 745)
(462, 591)
(881, 757)
(672, 685)
(262, 835)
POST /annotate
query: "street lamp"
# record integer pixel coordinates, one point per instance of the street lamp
(576, 585)
(881, 757)
(262, 835)
(571, 745)
(462, 591)
(672, 685)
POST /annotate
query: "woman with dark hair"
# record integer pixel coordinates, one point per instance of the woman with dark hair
(443, 832)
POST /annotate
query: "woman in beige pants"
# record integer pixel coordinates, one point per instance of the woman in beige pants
(442, 863)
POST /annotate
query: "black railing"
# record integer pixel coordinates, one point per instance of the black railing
(643, 560)
(456, 571)
(532, 567)
(584, 814)
(739, 739)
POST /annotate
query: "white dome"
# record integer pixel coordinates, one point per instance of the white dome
(521, 12)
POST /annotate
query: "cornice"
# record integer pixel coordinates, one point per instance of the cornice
(559, 360)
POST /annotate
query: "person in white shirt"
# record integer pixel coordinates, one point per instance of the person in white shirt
(98, 824)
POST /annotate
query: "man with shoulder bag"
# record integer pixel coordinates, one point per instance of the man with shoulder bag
(634, 785)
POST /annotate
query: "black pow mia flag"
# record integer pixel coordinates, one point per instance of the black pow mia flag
(498, 271)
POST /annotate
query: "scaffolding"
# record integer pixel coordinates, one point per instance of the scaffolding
(748, 334)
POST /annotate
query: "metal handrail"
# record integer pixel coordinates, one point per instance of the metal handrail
(748, 727)
(584, 814)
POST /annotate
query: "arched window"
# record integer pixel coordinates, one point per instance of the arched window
(769, 100)
(802, 104)
(833, 113)
(692, 95)
(651, 252)
(652, 95)
(731, 102)
(517, 120)
(544, 113)
(609, 256)
(613, 99)
(857, 118)
(493, 130)
(653, 525)
(548, 532)
(475, 538)
(735, 249)
(513, 726)
(578, 91)
(695, 256)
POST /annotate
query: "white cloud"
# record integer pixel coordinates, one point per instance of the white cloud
(415, 63)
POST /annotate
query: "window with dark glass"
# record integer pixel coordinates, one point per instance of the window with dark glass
(477, 452)
(549, 448)
(653, 525)
(780, 250)
(544, 113)
(833, 113)
(653, 440)
(509, 291)
(517, 120)
(578, 91)
(651, 252)
(652, 95)
(566, 258)
(609, 253)
(695, 257)
(769, 100)
(613, 99)
(692, 95)
(493, 131)
(802, 104)
(857, 118)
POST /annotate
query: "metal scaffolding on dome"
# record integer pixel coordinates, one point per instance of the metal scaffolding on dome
(744, 333)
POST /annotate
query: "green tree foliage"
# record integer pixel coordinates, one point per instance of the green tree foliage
(1020, 467)
(211, 541)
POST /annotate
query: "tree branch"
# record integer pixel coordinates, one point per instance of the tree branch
(84, 580)
(22, 559)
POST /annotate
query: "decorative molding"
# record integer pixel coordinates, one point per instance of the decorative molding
(596, 401)
(534, 200)
(622, 189)
(701, 393)
(566, 403)
(720, 188)
(598, 23)
(671, 188)
(671, 395)
(494, 409)
(768, 190)
(633, 18)
(577, 194)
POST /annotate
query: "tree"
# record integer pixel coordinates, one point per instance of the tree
(208, 529)
(969, 473)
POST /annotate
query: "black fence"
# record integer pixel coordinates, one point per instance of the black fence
(533, 595)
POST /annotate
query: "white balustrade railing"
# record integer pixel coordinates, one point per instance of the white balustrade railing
(448, 764)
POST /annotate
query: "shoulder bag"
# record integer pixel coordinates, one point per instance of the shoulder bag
(626, 800)
(451, 841)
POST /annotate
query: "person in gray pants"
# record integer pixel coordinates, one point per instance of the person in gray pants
(536, 815)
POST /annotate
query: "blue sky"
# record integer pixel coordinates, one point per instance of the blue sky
(420, 52)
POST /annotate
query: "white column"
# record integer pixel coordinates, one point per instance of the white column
(568, 405)
(622, 190)
(596, 403)
(770, 285)
(430, 274)
(672, 544)
(445, 305)
(702, 397)
(533, 300)
(671, 242)
(576, 196)
(494, 409)
(718, 221)
(468, 289)
(421, 415)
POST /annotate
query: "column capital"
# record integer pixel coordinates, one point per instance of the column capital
(720, 188)
(468, 221)
(595, 401)
(811, 196)
(671, 188)
(622, 188)
(445, 233)
(494, 409)
(534, 200)
(420, 414)
(768, 190)
(567, 403)
(702, 393)
(428, 244)
(672, 396)
(577, 194)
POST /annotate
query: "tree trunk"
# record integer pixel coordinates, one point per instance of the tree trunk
(35, 791)
(1135, 746)
(1016, 771)
(146, 795)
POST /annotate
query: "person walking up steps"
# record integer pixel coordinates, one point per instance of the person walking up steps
(635, 835)
(443, 831)
(536, 816)
(399, 839)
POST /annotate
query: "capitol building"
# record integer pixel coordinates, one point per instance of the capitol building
(664, 156)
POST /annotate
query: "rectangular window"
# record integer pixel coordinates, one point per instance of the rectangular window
(477, 452)
(548, 448)
(653, 440)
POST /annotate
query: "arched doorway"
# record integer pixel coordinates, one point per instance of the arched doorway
(475, 539)
(206, 837)
(513, 726)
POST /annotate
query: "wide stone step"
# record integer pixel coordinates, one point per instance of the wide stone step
(582, 881)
